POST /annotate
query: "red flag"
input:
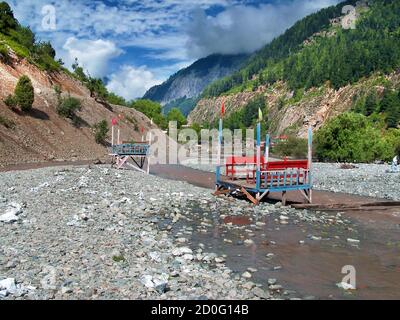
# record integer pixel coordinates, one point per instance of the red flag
(142, 130)
(114, 122)
(223, 108)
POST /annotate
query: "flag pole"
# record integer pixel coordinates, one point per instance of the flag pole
(258, 157)
(112, 135)
(219, 151)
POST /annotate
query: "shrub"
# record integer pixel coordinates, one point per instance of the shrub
(115, 99)
(353, 137)
(4, 55)
(152, 110)
(68, 107)
(44, 48)
(292, 147)
(9, 124)
(101, 130)
(24, 36)
(24, 94)
(58, 91)
(97, 89)
(390, 144)
(10, 101)
(176, 115)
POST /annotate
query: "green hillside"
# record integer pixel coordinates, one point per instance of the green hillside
(341, 56)
(23, 42)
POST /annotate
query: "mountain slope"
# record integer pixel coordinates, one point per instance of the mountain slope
(42, 135)
(287, 114)
(190, 82)
(309, 75)
(280, 48)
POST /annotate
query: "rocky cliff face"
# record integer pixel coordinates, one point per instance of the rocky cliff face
(190, 82)
(288, 116)
(209, 110)
(42, 135)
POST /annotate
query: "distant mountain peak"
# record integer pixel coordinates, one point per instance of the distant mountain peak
(189, 83)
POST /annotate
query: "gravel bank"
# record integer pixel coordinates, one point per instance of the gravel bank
(371, 180)
(96, 233)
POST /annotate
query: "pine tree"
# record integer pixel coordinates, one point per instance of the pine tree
(371, 103)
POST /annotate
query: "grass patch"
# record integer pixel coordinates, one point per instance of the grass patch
(19, 49)
(133, 122)
(101, 130)
(119, 258)
(9, 124)
(4, 53)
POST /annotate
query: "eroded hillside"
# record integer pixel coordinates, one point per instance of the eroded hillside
(290, 114)
(42, 135)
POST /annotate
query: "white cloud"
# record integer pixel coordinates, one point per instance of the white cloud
(244, 29)
(171, 31)
(93, 55)
(131, 83)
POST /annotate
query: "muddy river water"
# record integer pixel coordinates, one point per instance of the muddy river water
(312, 269)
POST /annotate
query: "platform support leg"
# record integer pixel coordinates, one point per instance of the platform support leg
(220, 190)
(284, 198)
(121, 162)
(259, 198)
(250, 197)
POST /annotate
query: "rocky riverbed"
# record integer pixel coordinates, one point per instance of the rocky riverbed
(98, 233)
(370, 180)
(92, 232)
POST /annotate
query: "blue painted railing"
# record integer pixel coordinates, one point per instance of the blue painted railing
(129, 149)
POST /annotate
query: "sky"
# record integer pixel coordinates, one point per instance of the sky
(136, 44)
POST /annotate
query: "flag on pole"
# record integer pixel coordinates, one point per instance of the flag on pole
(260, 115)
(223, 108)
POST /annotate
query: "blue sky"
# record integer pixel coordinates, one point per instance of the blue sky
(139, 43)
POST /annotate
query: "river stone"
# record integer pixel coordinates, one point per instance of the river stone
(353, 241)
(258, 292)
